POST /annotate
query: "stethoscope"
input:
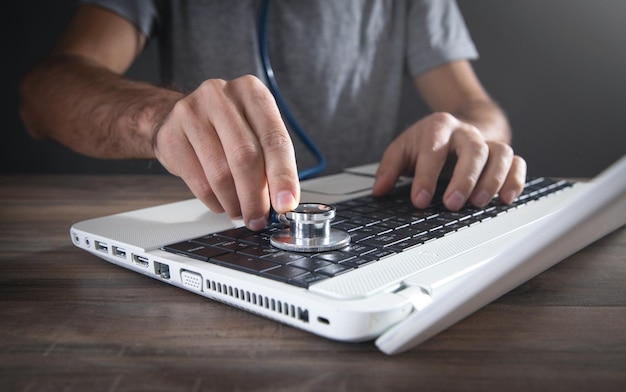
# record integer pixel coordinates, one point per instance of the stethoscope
(309, 224)
(282, 104)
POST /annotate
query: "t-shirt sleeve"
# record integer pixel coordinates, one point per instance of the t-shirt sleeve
(436, 35)
(141, 13)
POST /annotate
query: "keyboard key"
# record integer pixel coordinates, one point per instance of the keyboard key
(258, 251)
(334, 256)
(334, 269)
(283, 257)
(243, 262)
(209, 240)
(311, 264)
(235, 233)
(358, 262)
(358, 249)
(194, 250)
(232, 245)
(284, 272)
(307, 279)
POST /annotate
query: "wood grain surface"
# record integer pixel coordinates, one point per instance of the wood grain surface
(70, 321)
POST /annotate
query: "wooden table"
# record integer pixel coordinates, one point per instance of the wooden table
(72, 322)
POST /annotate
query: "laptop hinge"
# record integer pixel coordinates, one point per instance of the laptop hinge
(418, 296)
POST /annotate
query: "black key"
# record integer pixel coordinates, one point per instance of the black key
(456, 226)
(232, 245)
(334, 256)
(358, 262)
(392, 224)
(359, 249)
(209, 240)
(284, 273)
(310, 264)
(307, 279)
(282, 257)
(256, 239)
(258, 251)
(384, 240)
(194, 250)
(365, 210)
(244, 263)
(347, 214)
(401, 246)
(346, 226)
(236, 233)
(335, 269)
(363, 220)
(380, 254)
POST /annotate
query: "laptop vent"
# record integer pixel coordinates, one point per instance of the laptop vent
(262, 301)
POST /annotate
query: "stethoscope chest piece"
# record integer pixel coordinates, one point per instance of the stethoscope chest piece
(309, 230)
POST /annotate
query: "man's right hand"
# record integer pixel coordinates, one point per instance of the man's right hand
(228, 142)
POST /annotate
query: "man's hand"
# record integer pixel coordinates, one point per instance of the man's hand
(228, 142)
(482, 169)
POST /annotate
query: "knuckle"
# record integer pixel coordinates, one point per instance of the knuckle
(182, 108)
(275, 140)
(212, 85)
(501, 149)
(443, 118)
(213, 92)
(477, 148)
(249, 83)
(245, 155)
(249, 80)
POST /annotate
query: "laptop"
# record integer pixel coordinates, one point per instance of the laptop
(406, 274)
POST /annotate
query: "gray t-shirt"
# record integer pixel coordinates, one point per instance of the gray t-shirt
(340, 64)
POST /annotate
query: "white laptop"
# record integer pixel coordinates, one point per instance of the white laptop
(406, 275)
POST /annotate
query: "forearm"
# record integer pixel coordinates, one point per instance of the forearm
(92, 110)
(455, 89)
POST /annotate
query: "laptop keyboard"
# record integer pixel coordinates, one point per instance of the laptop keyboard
(379, 227)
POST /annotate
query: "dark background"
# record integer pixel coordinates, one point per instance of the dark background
(556, 67)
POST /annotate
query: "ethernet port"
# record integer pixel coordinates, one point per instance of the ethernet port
(163, 270)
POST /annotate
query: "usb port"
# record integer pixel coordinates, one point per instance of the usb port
(119, 252)
(141, 261)
(102, 247)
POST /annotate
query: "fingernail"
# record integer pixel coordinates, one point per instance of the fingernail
(481, 199)
(423, 199)
(285, 201)
(257, 224)
(455, 201)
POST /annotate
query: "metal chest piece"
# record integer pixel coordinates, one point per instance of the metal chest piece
(309, 230)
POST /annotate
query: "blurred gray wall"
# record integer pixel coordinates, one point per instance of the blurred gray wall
(556, 66)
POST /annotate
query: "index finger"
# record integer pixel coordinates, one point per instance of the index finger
(280, 169)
